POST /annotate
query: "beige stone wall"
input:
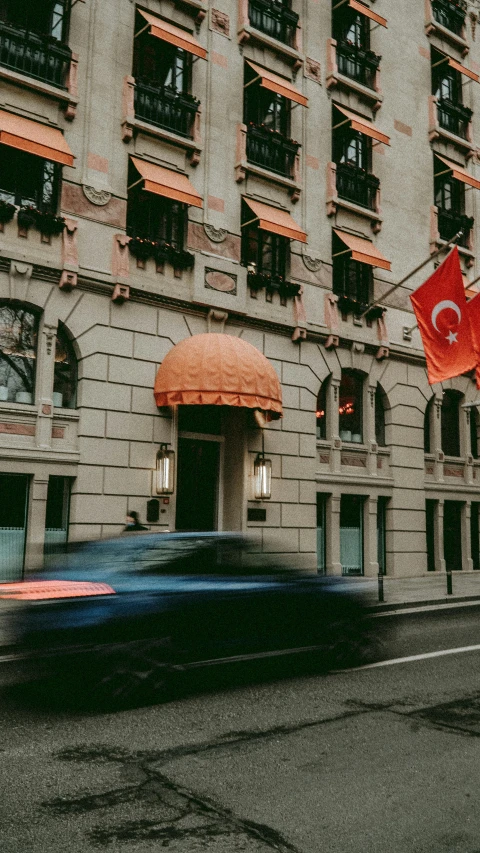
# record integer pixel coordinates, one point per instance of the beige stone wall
(109, 443)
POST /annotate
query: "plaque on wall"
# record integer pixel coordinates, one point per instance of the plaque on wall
(255, 513)
(220, 281)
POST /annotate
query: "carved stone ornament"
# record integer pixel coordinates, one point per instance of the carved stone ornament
(312, 264)
(313, 70)
(216, 235)
(220, 23)
(221, 281)
(98, 197)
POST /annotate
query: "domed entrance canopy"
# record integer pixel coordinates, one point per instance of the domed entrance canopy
(221, 370)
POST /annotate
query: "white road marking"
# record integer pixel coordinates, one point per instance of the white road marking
(412, 658)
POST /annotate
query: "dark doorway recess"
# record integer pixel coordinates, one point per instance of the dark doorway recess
(197, 484)
(452, 535)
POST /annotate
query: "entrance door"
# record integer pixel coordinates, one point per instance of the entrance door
(56, 521)
(452, 535)
(351, 534)
(197, 484)
(13, 524)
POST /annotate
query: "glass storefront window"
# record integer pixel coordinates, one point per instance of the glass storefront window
(18, 351)
(351, 407)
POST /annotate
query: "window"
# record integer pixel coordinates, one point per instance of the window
(351, 534)
(154, 217)
(322, 410)
(263, 107)
(450, 201)
(274, 18)
(453, 116)
(27, 180)
(430, 511)
(65, 372)
(474, 432)
(321, 531)
(382, 535)
(450, 421)
(43, 17)
(351, 31)
(351, 27)
(380, 406)
(452, 535)
(351, 407)
(352, 155)
(351, 279)
(266, 115)
(450, 14)
(474, 534)
(163, 76)
(57, 514)
(18, 350)
(263, 251)
(427, 426)
(33, 36)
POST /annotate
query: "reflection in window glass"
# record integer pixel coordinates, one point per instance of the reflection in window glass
(322, 411)
(350, 408)
(18, 344)
(65, 374)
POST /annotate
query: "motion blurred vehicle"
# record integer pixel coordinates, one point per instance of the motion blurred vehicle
(114, 619)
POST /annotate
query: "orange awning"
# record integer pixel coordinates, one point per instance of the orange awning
(276, 221)
(364, 125)
(363, 251)
(277, 84)
(37, 590)
(461, 68)
(167, 182)
(220, 370)
(459, 173)
(174, 35)
(365, 10)
(35, 138)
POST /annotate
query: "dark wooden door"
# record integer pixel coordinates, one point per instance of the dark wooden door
(197, 484)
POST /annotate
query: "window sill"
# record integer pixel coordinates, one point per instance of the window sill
(374, 98)
(62, 95)
(468, 254)
(337, 202)
(433, 28)
(439, 133)
(193, 148)
(9, 406)
(66, 414)
(248, 33)
(244, 167)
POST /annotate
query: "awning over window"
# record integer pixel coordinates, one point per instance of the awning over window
(166, 182)
(174, 35)
(220, 370)
(363, 251)
(461, 68)
(277, 84)
(276, 221)
(369, 13)
(363, 125)
(35, 138)
(459, 173)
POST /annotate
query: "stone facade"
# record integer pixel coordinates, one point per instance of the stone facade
(123, 313)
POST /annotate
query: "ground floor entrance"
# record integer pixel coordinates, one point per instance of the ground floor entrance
(14, 490)
(197, 484)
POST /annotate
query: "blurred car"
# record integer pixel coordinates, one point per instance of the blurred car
(115, 618)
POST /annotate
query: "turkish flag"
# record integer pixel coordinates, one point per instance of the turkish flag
(473, 310)
(441, 310)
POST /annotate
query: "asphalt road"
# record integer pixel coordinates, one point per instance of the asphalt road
(384, 758)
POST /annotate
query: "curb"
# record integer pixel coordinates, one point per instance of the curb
(448, 601)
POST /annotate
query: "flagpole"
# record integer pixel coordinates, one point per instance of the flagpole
(467, 286)
(413, 272)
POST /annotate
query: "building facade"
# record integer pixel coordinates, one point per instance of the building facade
(251, 169)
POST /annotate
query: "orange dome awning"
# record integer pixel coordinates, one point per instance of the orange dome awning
(220, 370)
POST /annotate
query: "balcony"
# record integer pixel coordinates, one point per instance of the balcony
(450, 223)
(357, 186)
(271, 150)
(274, 19)
(357, 64)
(455, 118)
(43, 58)
(450, 14)
(165, 108)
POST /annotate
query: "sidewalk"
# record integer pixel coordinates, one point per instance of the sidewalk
(423, 591)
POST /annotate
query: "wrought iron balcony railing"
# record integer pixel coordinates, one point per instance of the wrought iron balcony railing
(358, 64)
(450, 14)
(271, 150)
(165, 108)
(274, 19)
(450, 223)
(356, 185)
(454, 117)
(38, 56)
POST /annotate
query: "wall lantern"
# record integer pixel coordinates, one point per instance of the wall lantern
(262, 478)
(165, 470)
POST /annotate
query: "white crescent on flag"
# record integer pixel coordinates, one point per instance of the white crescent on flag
(440, 306)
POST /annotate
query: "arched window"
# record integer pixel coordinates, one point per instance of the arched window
(18, 352)
(322, 410)
(65, 373)
(427, 427)
(450, 421)
(380, 406)
(350, 407)
(474, 432)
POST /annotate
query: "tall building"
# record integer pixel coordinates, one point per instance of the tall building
(211, 201)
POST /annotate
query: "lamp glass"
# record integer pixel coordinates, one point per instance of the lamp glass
(165, 470)
(262, 477)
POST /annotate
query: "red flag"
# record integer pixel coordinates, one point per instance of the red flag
(473, 310)
(441, 310)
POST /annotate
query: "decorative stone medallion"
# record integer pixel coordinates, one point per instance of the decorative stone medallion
(312, 264)
(220, 281)
(313, 70)
(98, 197)
(216, 235)
(220, 23)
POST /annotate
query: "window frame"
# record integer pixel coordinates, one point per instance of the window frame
(167, 218)
(19, 166)
(253, 243)
(345, 425)
(28, 384)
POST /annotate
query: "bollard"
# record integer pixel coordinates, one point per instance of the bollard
(380, 587)
(449, 583)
